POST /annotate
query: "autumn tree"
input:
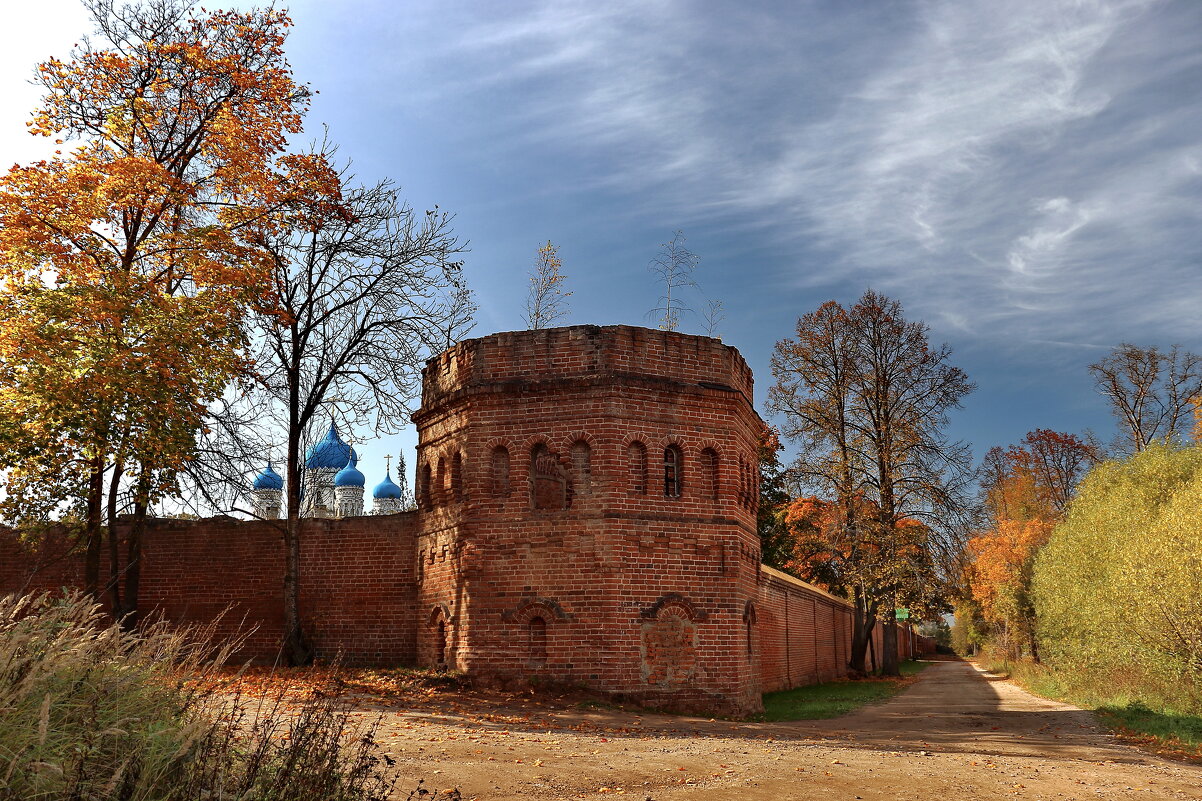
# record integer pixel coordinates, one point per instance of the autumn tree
(673, 266)
(867, 396)
(1025, 491)
(365, 291)
(126, 262)
(1151, 392)
(813, 396)
(776, 547)
(547, 301)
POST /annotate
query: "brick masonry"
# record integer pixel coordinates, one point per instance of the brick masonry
(586, 516)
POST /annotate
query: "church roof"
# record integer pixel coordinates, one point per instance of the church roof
(349, 476)
(330, 453)
(386, 489)
(269, 479)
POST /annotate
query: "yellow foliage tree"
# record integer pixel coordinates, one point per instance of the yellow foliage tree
(1119, 584)
(127, 263)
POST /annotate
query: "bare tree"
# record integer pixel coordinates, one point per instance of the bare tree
(1151, 392)
(547, 301)
(674, 267)
(712, 317)
(366, 291)
(813, 393)
(867, 397)
(460, 313)
(902, 389)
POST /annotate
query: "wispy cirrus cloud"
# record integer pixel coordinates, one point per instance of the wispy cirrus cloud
(1024, 170)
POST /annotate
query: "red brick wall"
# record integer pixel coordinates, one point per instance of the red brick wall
(357, 590)
(641, 594)
(805, 634)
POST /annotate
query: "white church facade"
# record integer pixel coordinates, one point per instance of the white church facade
(332, 485)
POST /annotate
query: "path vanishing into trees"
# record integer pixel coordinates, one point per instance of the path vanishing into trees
(956, 733)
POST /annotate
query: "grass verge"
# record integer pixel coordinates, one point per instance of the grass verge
(1155, 725)
(834, 698)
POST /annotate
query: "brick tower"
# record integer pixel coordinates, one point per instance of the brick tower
(587, 499)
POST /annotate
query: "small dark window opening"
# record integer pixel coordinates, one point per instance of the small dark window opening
(500, 472)
(709, 460)
(673, 467)
(440, 489)
(440, 644)
(457, 477)
(636, 460)
(536, 631)
(424, 489)
(750, 635)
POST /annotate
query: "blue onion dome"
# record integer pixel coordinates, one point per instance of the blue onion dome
(349, 476)
(386, 489)
(269, 479)
(330, 453)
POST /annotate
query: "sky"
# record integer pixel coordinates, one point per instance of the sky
(1025, 177)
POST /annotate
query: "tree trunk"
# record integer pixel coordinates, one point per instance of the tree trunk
(861, 634)
(133, 556)
(889, 664)
(114, 583)
(296, 647)
(93, 537)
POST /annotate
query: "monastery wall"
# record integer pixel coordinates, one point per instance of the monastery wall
(587, 515)
(356, 602)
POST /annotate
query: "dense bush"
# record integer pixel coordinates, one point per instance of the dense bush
(91, 712)
(1118, 588)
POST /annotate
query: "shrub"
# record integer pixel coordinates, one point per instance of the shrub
(1118, 588)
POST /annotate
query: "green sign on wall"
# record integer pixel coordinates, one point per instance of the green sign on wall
(902, 614)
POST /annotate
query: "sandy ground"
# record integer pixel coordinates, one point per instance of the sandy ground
(956, 733)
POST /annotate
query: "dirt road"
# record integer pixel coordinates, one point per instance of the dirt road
(955, 734)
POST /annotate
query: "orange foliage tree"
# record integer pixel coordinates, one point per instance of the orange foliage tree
(127, 263)
(1026, 490)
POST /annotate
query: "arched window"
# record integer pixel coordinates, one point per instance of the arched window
(440, 483)
(536, 640)
(440, 644)
(457, 477)
(499, 470)
(749, 623)
(673, 471)
(424, 487)
(636, 462)
(548, 480)
(709, 468)
(582, 466)
(743, 494)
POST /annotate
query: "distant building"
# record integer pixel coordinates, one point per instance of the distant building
(332, 486)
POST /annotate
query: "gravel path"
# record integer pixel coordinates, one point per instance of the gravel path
(956, 733)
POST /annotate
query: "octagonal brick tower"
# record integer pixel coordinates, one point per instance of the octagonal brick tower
(587, 499)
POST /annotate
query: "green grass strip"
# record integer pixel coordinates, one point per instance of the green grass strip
(834, 698)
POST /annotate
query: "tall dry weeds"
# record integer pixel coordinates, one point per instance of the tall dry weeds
(89, 712)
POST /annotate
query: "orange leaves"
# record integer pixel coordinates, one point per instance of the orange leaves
(128, 265)
(1001, 563)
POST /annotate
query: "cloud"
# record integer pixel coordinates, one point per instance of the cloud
(1025, 170)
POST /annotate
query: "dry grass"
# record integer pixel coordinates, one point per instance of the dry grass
(91, 712)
